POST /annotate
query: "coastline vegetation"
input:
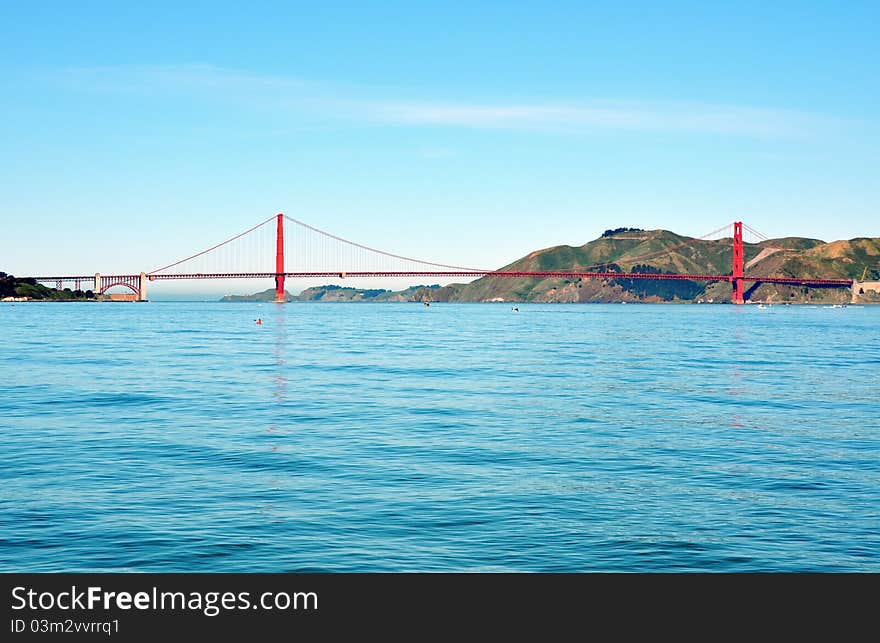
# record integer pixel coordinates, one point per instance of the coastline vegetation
(14, 287)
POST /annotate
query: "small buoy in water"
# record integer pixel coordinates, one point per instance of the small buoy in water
(259, 322)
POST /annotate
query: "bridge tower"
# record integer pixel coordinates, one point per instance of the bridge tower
(279, 260)
(737, 281)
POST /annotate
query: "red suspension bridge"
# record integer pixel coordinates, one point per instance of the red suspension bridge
(253, 253)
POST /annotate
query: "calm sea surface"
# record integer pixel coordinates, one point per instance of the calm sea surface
(460, 437)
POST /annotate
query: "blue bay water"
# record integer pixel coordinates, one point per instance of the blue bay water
(460, 437)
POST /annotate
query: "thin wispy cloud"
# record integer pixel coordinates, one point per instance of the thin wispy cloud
(603, 116)
(302, 98)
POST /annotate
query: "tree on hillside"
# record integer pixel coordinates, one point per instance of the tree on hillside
(609, 233)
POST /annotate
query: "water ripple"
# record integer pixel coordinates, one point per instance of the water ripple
(180, 437)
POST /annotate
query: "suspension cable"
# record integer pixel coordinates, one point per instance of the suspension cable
(381, 252)
(199, 254)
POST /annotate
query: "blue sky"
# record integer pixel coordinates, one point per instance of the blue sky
(133, 134)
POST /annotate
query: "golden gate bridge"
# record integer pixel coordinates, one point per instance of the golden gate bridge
(254, 253)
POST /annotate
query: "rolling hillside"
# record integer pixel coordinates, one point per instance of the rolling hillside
(663, 251)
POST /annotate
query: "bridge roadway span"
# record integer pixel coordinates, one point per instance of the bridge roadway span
(519, 273)
(562, 274)
(137, 283)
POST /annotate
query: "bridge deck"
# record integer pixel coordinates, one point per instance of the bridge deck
(560, 274)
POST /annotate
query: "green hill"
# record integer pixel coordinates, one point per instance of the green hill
(333, 293)
(665, 252)
(263, 295)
